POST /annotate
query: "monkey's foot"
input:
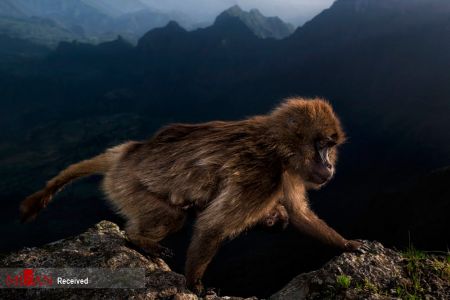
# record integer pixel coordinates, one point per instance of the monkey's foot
(211, 291)
(197, 288)
(166, 252)
(156, 251)
(159, 251)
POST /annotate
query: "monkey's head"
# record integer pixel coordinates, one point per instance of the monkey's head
(308, 133)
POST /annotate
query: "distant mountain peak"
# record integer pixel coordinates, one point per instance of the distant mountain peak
(161, 37)
(260, 25)
(237, 11)
(173, 25)
(234, 9)
(255, 11)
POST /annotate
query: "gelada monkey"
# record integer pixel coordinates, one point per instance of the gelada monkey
(234, 173)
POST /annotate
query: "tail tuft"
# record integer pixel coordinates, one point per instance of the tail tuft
(33, 204)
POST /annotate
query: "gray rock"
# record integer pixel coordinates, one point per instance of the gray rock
(375, 272)
(103, 246)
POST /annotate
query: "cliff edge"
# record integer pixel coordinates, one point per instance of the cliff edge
(373, 273)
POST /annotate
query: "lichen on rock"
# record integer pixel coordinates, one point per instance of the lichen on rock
(373, 273)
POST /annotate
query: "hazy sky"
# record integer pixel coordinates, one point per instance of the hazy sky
(203, 10)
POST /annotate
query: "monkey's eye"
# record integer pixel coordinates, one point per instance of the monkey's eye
(326, 143)
(331, 144)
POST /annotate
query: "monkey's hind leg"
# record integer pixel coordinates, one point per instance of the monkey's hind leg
(214, 225)
(155, 221)
(204, 245)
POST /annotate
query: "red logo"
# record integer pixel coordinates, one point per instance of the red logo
(28, 278)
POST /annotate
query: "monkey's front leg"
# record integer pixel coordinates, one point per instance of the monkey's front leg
(305, 220)
(308, 222)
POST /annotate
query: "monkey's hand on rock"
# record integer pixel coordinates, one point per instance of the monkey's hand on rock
(353, 245)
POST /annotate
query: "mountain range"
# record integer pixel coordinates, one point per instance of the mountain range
(83, 20)
(48, 22)
(383, 64)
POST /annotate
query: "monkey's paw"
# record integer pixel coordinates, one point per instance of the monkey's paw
(164, 252)
(158, 251)
(353, 245)
(197, 288)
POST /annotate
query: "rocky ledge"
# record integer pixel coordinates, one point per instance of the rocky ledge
(373, 273)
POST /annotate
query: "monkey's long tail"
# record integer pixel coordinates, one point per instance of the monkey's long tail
(100, 164)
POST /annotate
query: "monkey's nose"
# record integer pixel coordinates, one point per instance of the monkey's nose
(326, 172)
(322, 173)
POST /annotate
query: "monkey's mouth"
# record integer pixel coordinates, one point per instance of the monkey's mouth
(319, 179)
(321, 174)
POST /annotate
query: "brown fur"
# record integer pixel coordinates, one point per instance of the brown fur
(233, 172)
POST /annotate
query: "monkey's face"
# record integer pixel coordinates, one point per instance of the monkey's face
(322, 166)
(311, 140)
(315, 159)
